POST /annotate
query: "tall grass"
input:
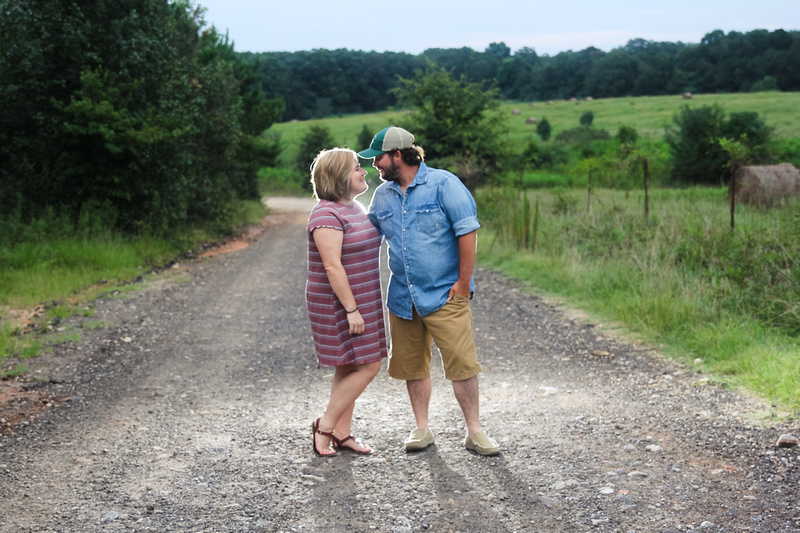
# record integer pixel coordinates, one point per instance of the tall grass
(680, 277)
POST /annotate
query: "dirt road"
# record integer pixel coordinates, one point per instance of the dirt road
(191, 411)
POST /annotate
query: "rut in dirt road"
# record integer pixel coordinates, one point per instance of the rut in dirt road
(193, 411)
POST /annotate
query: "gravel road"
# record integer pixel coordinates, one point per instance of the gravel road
(191, 411)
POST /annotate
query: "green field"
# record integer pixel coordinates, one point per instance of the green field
(648, 114)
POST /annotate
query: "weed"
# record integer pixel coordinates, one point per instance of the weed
(18, 370)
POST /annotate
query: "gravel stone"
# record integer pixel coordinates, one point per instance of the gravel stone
(191, 411)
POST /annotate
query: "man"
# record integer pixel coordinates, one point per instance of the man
(430, 221)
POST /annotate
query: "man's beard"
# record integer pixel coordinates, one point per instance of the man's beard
(392, 173)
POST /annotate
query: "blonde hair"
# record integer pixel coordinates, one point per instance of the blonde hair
(330, 174)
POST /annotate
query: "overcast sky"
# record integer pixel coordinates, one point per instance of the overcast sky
(548, 27)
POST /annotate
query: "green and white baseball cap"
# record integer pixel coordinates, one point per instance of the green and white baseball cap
(386, 140)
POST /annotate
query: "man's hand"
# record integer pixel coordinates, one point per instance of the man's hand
(460, 287)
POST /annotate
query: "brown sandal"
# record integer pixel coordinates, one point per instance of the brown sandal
(314, 430)
(338, 444)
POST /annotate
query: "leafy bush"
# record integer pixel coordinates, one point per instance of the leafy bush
(752, 131)
(553, 155)
(785, 151)
(128, 105)
(696, 153)
(364, 138)
(452, 119)
(543, 129)
(768, 83)
(626, 135)
(318, 138)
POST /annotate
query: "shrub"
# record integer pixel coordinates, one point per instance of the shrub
(318, 138)
(552, 155)
(696, 153)
(364, 138)
(125, 103)
(453, 120)
(626, 135)
(785, 151)
(544, 129)
(768, 83)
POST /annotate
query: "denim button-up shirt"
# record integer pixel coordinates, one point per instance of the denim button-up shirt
(421, 228)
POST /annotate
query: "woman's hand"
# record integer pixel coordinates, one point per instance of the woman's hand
(356, 322)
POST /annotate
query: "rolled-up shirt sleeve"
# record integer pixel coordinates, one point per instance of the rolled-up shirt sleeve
(460, 207)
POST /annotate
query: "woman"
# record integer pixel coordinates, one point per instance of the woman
(343, 294)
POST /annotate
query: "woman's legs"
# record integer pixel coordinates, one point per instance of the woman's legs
(349, 381)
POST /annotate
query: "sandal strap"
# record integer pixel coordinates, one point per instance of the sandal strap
(339, 443)
(328, 434)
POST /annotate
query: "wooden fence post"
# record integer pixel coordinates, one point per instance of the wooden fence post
(733, 198)
(646, 171)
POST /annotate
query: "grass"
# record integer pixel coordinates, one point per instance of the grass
(59, 272)
(649, 115)
(665, 281)
(71, 270)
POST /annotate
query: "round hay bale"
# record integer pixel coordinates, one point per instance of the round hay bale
(766, 185)
(686, 96)
(531, 120)
(516, 112)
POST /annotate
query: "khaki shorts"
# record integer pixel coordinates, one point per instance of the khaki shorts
(450, 327)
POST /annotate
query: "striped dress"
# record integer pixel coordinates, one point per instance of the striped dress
(360, 258)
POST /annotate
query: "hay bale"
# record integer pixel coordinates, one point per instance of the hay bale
(531, 120)
(533, 104)
(686, 96)
(766, 186)
(550, 102)
(589, 98)
(516, 112)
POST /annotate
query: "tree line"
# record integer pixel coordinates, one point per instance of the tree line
(131, 110)
(320, 83)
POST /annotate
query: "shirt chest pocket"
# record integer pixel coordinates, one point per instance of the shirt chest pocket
(429, 218)
(385, 221)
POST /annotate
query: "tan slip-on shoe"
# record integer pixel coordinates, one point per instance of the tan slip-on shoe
(419, 439)
(482, 443)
